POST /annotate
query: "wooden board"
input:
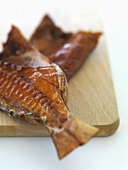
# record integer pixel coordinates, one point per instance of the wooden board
(91, 93)
(91, 98)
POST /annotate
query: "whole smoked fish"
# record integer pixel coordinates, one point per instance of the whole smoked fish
(35, 90)
(67, 50)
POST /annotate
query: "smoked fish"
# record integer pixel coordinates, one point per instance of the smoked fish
(34, 89)
(67, 50)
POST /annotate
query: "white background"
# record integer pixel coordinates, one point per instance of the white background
(101, 153)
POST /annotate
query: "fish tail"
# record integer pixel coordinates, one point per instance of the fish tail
(73, 134)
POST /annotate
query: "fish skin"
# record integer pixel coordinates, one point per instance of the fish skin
(28, 55)
(67, 50)
(38, 94)
(46, 35)
(18, 51)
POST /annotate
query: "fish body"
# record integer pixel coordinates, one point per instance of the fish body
(34, 89)
(67, 50)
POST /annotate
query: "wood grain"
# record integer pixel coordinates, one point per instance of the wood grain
(91, 93)
(91, 98)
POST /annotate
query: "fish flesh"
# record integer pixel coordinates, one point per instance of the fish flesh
(35, 90)
(67, 50)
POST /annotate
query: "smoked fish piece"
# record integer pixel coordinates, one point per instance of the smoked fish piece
(67, 50)
(17, 50)
(34, 95)
(38, 95)
(48, 38)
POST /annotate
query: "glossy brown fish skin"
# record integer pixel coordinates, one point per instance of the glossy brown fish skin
(34, 95)
(67, 50)
(18, 51)
(48, 38)
(37, 93)
(28, 55)
(73, 53)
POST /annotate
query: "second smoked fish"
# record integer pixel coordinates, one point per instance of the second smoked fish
(67, 50)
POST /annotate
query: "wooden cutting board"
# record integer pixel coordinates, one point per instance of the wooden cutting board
(91, 98)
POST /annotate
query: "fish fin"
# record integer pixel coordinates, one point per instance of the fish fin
(46, 29)
(15, 44)
(74, 133)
